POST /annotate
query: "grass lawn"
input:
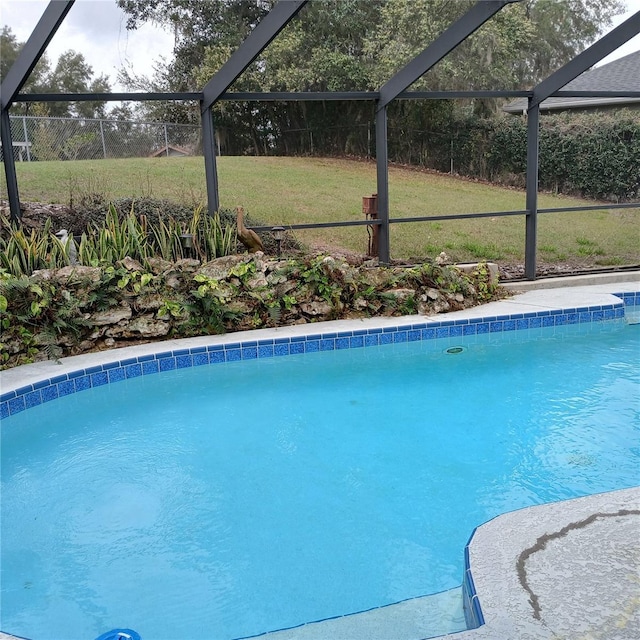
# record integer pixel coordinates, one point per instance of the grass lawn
(283, 191)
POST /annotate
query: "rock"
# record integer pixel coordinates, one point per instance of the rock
(219, 268)
(159, 265)
(432, 294)
(471, 267)
(276, 267)
(440, 306)
(252, 300)
(316, 308)
(111, 316)
(173, 279)
(239, 306)
(130, 264)
(84, 346)
(377, 278)
(258, 281)
(96, 333)
(424, 307)
(259, 259)
(146, 326)
(360, 304)
(285, 287)
(149, 301)
(70, 272)
(277, 277)
(401, 294)
(187, 264)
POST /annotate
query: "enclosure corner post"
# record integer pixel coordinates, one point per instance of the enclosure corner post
(382, 167)
(210, 166)
(533, 136)
(10, 166)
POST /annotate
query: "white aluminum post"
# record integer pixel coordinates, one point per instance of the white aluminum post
(104, 147)
(26, 138)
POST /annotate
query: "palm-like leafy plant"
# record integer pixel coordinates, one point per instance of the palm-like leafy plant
(22, 253)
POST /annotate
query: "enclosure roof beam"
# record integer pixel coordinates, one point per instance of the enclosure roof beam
(258, 40)
(32, 51)
(459, 31)
(282, 96)
(106, 97)
(585, 60)
(310, 96)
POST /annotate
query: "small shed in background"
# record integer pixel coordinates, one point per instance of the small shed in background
(171, 151)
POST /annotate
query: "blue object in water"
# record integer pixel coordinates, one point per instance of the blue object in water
(120, 634)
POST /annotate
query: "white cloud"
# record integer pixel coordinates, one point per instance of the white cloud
(97, 29)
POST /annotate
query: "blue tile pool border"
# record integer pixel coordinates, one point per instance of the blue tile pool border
(45, 390)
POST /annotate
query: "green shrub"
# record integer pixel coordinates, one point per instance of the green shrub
(595, 155)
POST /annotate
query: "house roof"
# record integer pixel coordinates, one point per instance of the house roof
(620, 75)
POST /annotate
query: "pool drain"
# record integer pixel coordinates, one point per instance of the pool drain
(454, 350)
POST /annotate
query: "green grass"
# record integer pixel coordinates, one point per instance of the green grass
(283, 191)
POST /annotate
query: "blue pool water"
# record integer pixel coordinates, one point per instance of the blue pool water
(226, 501)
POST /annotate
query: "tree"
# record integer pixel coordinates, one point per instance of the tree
(9, 50)
(71, 74)
(345, 45)
(518, 47)
(196, 25)
(561, 30)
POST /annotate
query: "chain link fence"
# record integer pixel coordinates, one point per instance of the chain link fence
(37, 138)
(44, 138)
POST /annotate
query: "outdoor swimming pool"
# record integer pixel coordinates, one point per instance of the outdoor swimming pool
(225, 501)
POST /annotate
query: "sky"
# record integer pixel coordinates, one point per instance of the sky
(96, 28)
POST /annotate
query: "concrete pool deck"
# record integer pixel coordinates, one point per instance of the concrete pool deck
(566, 570)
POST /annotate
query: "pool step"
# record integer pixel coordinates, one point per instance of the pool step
(415, 619)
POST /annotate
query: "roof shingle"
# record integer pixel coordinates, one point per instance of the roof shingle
(620, 75)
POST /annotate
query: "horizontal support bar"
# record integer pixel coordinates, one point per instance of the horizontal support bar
(452, 216)
(598, 207)
(460, 216)
(321, 225)
(307, 96)
(298, 96)
(105, 97)
(596, 94)
(446, 95)
(269, 96)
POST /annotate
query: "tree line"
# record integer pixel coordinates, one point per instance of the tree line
(332, 45)
(354, 45)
